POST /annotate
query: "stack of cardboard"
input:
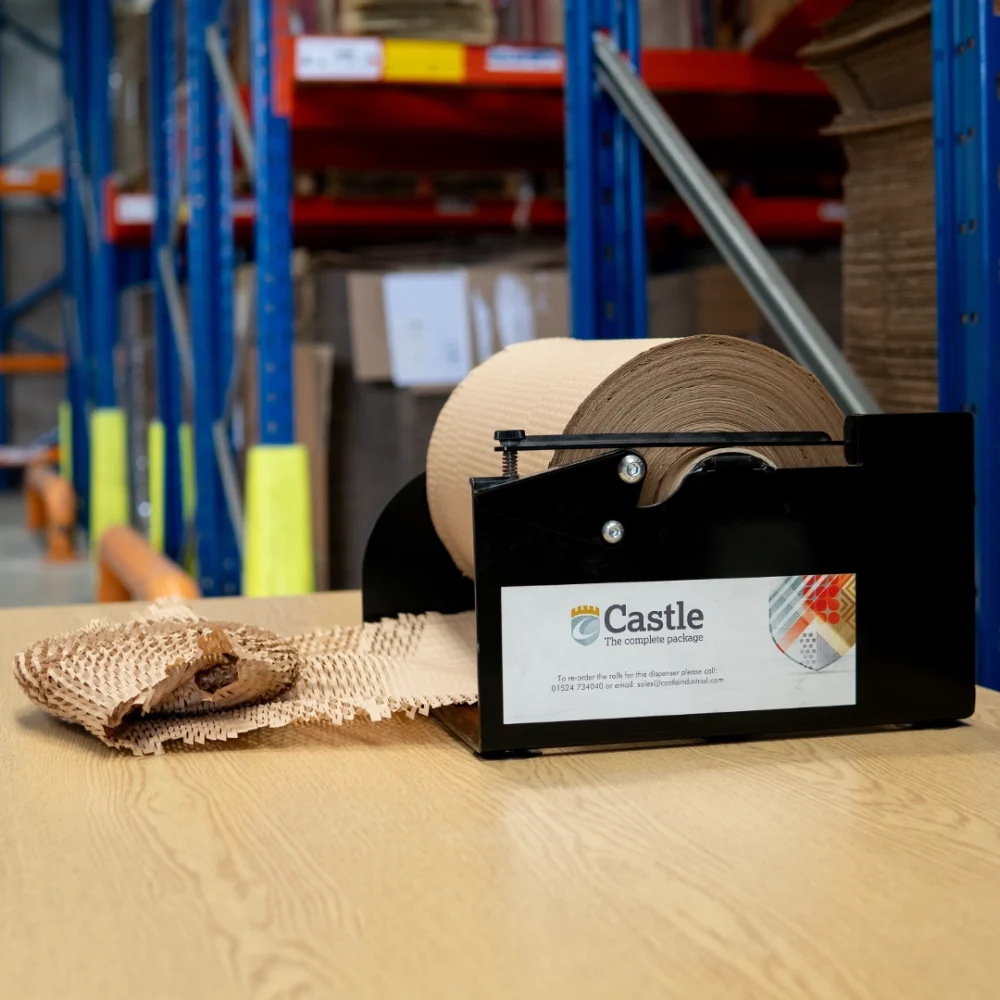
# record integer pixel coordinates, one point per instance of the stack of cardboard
(470, 21)
(665, 24)
(423, 324)
(876, 58)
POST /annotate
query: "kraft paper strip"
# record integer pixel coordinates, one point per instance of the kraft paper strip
(172, 676)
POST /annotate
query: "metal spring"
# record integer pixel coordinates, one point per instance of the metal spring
(509, 467)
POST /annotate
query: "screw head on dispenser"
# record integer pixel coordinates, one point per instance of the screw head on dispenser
(631, 469)
(613, 532)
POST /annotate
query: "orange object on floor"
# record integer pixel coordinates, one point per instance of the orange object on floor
(128, 569)
(51, 507)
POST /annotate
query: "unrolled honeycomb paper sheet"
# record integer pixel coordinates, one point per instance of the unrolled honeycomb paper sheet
(173, 677)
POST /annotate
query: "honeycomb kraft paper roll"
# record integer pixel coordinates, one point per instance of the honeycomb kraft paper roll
(172, 676)
(557, 385)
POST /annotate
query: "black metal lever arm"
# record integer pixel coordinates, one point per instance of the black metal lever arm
(517, 440)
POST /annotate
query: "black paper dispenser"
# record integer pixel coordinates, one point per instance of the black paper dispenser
(752, 601)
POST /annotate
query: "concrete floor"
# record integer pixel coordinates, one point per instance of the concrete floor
(26, 579)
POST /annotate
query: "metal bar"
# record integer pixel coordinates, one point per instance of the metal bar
(581, 180)
(966, 40)
(766, 283)
(29, 37)
(230, 480)
(210, 305)
(76, 300)
(32, 364)
(179, 325)
(4, 330)
(166, 293)
(680, 439)
(104, 303)
(629, 42)
(32, 143)
(230, 94)
(232, 534)
(31, 339)
(272, 140)
(34, 298)
(75, 165)
(606, 205)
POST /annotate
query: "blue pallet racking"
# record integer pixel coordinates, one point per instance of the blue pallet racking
(605, 240)
(11, 330)
(967, 149)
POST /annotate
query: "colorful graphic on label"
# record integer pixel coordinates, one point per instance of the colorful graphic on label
(585, 624)
(812, 618)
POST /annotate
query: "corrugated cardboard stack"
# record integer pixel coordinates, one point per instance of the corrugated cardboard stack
(876, 58)
(470, 21)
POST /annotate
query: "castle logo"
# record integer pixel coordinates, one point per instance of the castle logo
(585, 624)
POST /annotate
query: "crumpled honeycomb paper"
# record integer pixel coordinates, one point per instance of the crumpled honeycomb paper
(172, 676)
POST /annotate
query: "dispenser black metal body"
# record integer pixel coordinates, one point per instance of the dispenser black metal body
(891, 521)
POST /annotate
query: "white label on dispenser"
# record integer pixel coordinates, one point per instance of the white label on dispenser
(680, 647)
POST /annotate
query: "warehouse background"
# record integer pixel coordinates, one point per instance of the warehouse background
(801, 172)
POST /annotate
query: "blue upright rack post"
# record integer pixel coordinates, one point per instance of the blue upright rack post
(109, 490)
(209, 254)
(278, 556)
(11, 312)
(967, 151)
(606, 206)
(76, 240)
(166, 504)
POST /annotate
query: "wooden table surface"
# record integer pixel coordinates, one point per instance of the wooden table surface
(386, 861)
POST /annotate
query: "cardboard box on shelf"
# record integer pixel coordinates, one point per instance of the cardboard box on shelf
(471, 21)
(421, 329)
(130, 100)
(762, 16)
(665, 24)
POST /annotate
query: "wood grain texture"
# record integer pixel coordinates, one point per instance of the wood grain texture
(386, 861)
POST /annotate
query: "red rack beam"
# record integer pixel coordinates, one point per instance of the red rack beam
(320, 219)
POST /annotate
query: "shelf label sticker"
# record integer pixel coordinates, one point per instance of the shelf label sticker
(20, 176)
(513, 59)
(678, 647)
(427, 327)
(408, 61)
(244, 208)
(832, 211)
(319, 58)
(135, 209)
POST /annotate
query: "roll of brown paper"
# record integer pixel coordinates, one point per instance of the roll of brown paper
(556, 385)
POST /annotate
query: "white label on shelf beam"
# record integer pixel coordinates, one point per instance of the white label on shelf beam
(20, 176)
(514, 59)
(832, 211)
(320, 58)
(135, 209)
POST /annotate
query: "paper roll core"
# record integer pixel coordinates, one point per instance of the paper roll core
(558, 385)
